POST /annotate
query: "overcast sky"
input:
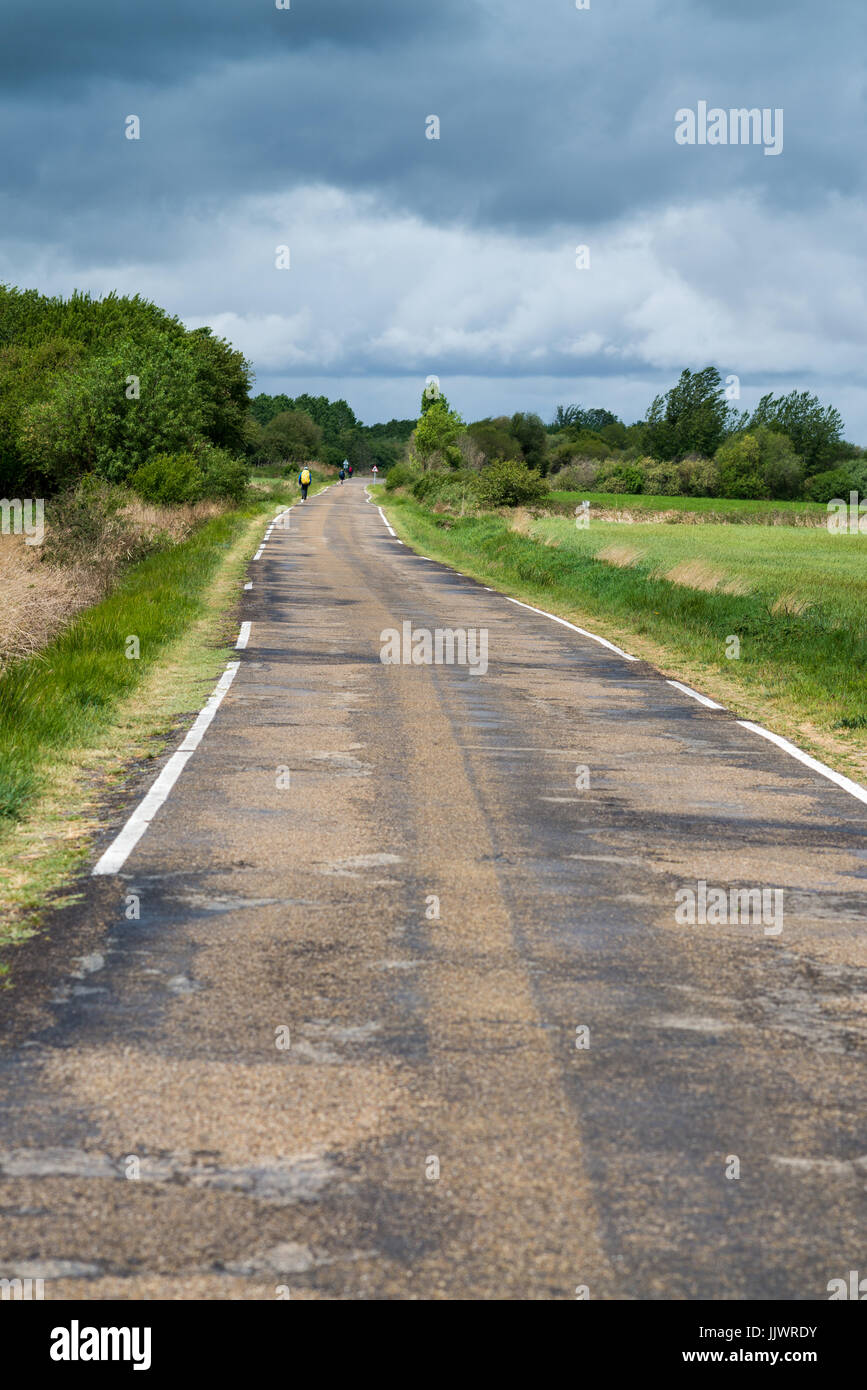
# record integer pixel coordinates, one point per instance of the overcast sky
(306, 128)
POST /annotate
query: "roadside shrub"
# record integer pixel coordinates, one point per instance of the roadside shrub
(169, 479)
(510, 483)
(85, 526)
(401, 475)
(456, 485)
(223, 475)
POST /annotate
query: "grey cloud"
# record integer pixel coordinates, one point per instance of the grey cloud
(54, 45)
(557, 128)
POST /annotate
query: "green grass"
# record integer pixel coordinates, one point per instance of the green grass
(801, 622)
(64, 696)
(729, 509)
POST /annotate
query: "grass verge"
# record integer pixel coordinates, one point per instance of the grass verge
(801, 668)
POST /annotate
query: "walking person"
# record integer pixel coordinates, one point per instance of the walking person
(342, 474)
(349, 470)
(304, 480)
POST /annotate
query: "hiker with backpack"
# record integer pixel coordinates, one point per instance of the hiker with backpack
(342, 474)
(349, 471)
(304, 480)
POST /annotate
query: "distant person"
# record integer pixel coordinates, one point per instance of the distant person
(342, 474)
(304, 480)
(349, 471)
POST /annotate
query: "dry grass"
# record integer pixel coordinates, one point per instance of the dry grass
(175, 522)
(793, 605)
(698, 574)
(39, 599)
(623, 556)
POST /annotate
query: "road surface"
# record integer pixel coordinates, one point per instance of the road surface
(287, 1076)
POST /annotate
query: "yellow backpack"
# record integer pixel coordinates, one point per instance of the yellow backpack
(305, 476)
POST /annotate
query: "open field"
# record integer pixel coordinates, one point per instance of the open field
(729, 509)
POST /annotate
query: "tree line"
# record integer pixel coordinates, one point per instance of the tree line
(692, 441)
(103, 387)
(282, 429)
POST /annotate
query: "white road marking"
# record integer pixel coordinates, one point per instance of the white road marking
(853, 788)
(243, 636)
(120, 848)
(258, 554)
(584, 633)
(249, 584)
(702, 699)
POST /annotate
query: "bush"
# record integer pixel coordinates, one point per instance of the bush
(456, 485)
(169, 479)
(85, 525)
(621, 477)
(580, 476)
(783, 469)
(836, 483)
(510, 483)
(573, 446)
(661, 479)
(759, 462)
(699, 476)
(223, 475)
(740, 467)
(401, 475)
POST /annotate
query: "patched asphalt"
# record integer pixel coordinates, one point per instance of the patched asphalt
(432, 1130)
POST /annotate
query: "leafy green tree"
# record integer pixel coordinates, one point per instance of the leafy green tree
(493, 437)
(815, 430)
(436, 435)
(291, 437)
(740, 467)
(573, 417)
(532, 437)
(90, 385)
(692, 418)
(87, 422)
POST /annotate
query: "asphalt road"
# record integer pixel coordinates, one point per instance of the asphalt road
(432, 1129)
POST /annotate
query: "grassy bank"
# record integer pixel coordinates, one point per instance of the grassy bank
(80, 714)
(794, 598)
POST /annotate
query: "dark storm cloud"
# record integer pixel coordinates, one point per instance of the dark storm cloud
(457, 254)
(53, 43)
(549, 115)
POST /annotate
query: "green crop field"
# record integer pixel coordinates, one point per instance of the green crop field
(725, 508)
